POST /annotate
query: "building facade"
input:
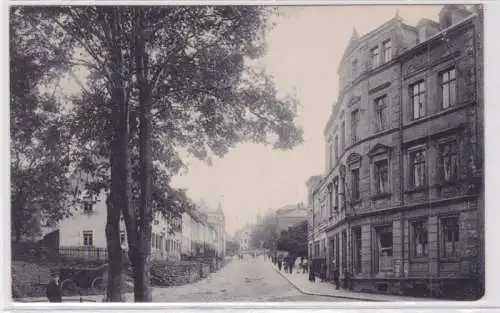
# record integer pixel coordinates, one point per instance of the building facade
(217, 219)
(290, 215)
(400, 208)
(83, 234)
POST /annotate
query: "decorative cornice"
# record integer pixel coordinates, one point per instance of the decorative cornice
(379, 149)
(353, 158)
(379, 87)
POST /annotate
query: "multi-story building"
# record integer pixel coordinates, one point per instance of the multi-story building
(83, 234)
(290, 215)
(400, 207)
(217, 219)
(242, 236)
(194, 233)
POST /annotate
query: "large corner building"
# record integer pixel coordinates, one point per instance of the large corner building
(400, 206)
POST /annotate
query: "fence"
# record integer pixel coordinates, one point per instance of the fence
(90, 253)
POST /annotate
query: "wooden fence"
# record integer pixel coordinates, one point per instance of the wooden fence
(89, 253)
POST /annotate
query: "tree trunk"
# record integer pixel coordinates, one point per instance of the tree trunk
(17, 209)
(120, 164)
(114, 292)
(142, 277)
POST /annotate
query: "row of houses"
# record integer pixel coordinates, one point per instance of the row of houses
(400, 206)
(173, 237)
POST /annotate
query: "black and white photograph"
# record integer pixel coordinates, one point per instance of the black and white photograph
(246, 153)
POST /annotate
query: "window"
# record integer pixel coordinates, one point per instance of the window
(383, 249)
(355, 184)
(88, 238)
(160, 242)
(354, 125)
(88, 207)
(417, 168)
(417, 100)
(354, 69)
(342, 135)
(449, 237)
(375, 57)
(344, 250)
(336, 147)
(381, 113)
(356, 247)
(381, 177)
(343, 184)
(449, 162)
(323, 245)
(448, 88)
(330, 152)
(122, 237)
(336, 191)
(331, 198)
(387, 51)
(153, 240)
(419, 237)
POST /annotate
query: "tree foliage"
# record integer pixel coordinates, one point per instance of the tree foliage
(162, 80)
(39, 149)
(294, 240)
(265, 234)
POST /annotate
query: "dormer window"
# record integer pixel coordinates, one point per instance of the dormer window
(387, 51)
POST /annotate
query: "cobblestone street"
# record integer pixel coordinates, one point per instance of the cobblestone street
(241, 280)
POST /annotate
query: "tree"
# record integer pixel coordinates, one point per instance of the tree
(265, 234)
(39, 150)
(294, 240)
(181, 75)
(232, 247)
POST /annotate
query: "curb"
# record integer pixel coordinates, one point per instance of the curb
(324, 295)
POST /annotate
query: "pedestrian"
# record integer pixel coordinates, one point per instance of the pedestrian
(322, 272)
(311, 272)
(279, 265)
(53, 289)
(336, 275)
(298, 265)
(305, 266)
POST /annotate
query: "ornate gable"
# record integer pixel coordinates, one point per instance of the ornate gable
(379, 149)
(353, 158)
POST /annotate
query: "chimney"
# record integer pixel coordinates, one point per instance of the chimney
(425, 29)
(451, 14)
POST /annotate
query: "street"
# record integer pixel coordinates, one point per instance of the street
(241, 280)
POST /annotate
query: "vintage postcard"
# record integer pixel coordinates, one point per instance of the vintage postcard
(242, 153)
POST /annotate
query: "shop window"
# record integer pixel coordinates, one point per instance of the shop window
(383, 249)
(450, 236)
(419, 239)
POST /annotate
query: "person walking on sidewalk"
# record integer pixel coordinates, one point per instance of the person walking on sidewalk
(53, 289)
(305, 266)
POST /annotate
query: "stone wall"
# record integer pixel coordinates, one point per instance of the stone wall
(179, 273)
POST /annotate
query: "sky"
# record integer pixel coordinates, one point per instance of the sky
(304, 50)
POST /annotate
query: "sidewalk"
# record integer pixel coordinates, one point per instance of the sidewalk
(65, 299)
(301, 282)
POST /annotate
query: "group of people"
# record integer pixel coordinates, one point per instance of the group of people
(289, 264)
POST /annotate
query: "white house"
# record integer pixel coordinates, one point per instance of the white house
(83, 234)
